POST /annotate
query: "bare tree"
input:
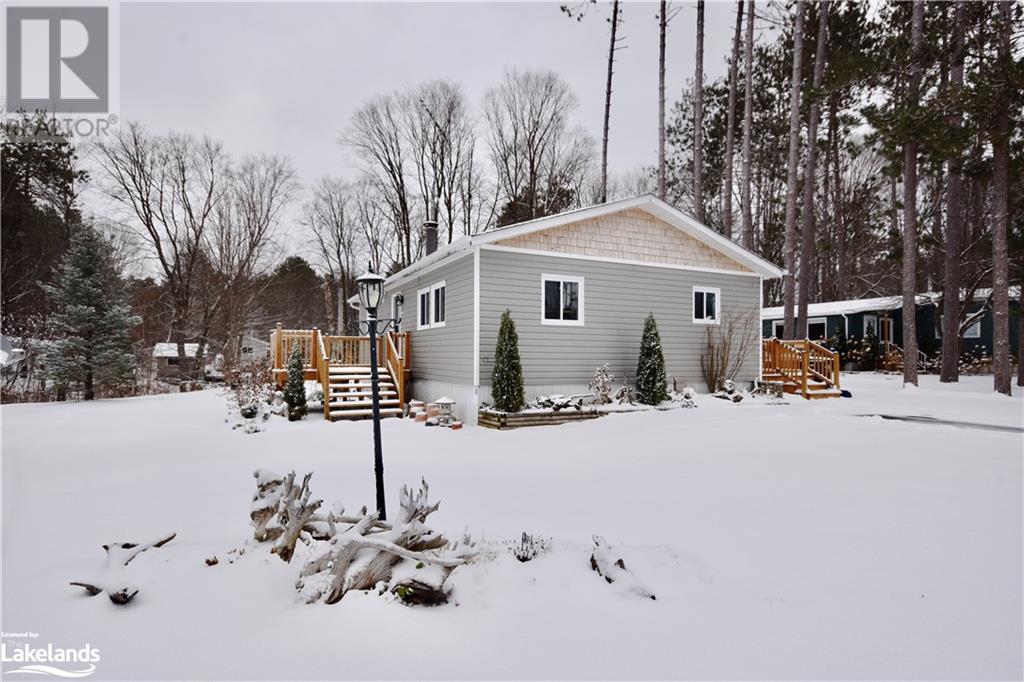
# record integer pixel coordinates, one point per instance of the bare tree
(336, 239)
(536, 155)
(442, 139)
(612, 47)
(171, 185)
(730, 128)
(377, 134)
(789, 247)
(810, 172)
(748, 126)
(698, 119)
(910, 145)
(261, 187)
(950, 366)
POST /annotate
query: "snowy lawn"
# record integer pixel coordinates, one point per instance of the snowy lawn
(798, 541)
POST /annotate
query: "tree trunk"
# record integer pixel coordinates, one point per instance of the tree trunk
(789, 239)
(698, 119)
(730, 128)
(1001, 219)
(807, 231)
(608, 102)
(910, 205)
(950, 366)
(748, 124)
(89, 389)
(662, 23)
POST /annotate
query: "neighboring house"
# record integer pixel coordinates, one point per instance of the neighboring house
(578, 285)
(885, 315)
(254, 348)
(167, 364)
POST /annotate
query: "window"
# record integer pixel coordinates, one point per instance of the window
(561, 300)
(817, 328)
(431, 306)
(972, 332)
(438, 291)
(778, 328)
(706, 303)
(870, 321)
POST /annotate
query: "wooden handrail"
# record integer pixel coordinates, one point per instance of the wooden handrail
(799, 362)
(394, 364)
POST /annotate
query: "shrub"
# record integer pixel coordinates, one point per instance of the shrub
(602, 384)
(295, 388)
(507, 373)
(650, 368)
(529, 547)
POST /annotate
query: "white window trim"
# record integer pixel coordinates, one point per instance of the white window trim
(718, 305)
(429, 291)
(778, 328)
(968, 333)
(544, 278)
(419, 308)
(871, 320)
(816, 320)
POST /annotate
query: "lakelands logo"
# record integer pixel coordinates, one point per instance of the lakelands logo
(58, 59)
(49, 660)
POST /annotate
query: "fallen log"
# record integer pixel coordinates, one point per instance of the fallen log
(114, 578)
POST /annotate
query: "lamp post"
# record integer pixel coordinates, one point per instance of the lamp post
(371, 294)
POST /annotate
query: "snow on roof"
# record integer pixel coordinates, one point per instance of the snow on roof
(170, 350)
(864, 305)
(859, 305)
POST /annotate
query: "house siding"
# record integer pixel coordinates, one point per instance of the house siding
(442, 354)
(616, 299)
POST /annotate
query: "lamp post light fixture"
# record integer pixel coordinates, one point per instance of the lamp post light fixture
(371, 294)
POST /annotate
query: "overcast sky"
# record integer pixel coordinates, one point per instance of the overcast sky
(286, 78)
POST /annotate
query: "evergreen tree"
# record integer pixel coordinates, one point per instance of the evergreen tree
(507, 373)
(295, 387)
(91, 345)
(650, 368)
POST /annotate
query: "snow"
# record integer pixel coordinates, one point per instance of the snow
(782, 542)
(863, 305)
(170, 350)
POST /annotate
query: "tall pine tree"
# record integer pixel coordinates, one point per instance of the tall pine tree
(507, 373)
(91, 345)
(650, 368)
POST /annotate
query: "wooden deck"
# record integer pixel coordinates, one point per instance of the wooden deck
(342, 366)
(802, 367)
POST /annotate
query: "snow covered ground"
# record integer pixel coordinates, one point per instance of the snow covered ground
(798, 541)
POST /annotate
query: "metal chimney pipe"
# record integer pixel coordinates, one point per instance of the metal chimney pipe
(430, 234)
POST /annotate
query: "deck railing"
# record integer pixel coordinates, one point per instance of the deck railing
(800, 362)
(320, 351)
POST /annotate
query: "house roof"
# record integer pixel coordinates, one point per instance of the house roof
(170, 350)
(647, 202)
(866, 305)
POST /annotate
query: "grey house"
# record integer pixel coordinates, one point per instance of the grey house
(578, 285)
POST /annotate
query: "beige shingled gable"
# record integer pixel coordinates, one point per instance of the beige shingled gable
(632, 234)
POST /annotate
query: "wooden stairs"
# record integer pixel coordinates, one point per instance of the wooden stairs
(802, 367)
(341, 364)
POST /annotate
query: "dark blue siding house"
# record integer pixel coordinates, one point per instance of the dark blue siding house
(885, 316)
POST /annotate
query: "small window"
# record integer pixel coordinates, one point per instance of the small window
(431, 306)
(972, 332)
(871, 322)
(706, 304)
(778, 328)
(438, 295)
(561, 300)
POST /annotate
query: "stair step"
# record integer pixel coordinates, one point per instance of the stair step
(351, 369)
(357, 404)
(382, 382)
(359, 414)
(349, 380)
(360, 394)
